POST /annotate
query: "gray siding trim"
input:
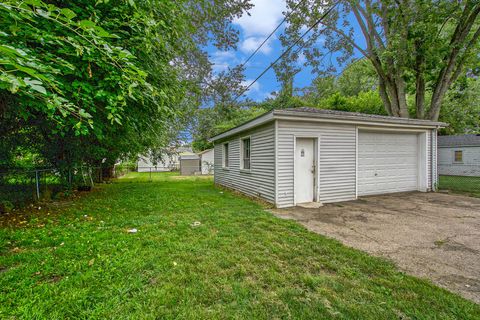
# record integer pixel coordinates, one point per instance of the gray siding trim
(429, 161)
(276, 162)
(259, 181)
(434, 160)
(337, 160)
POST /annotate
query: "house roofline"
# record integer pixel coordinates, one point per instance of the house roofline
(334, 117)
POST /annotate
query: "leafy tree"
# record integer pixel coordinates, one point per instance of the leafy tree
(53, 58)
(422, 46)
(92, 81)
(357, 77)
(461, 108)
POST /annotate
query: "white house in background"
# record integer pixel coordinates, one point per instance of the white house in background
(304, 155)
(207, 161)
(459, 155)
(167, 162)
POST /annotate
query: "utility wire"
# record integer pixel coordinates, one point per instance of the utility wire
(288, 50)
(273, 32)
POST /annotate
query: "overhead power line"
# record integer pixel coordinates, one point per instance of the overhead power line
(273, 32)
(288, 50)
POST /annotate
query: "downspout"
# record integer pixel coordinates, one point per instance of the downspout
(434, 175)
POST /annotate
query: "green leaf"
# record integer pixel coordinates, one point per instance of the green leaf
(35, 85)
(86, 24)
(69, 14)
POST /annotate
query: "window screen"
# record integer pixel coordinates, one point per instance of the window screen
(458, 156)
(246, 153)
(225, 155)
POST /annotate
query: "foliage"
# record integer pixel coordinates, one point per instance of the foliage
(461, 108)
(358, 76)
(415, 47)
(89, 82)
(212, 121)
(365, 102)
(77, 260)
(55, 61)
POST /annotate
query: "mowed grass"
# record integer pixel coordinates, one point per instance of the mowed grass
(76, 260)
(461, 184)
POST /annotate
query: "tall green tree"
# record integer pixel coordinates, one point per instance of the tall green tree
(417, 45)
(91, 81)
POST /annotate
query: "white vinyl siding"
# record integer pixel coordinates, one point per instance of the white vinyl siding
(272, 150)
(259, 181)
(337, 158)
(470, 165)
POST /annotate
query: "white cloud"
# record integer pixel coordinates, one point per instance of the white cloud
(222, 60)
(301, 58)
(263, 18)
(254, 88)
(252, 43)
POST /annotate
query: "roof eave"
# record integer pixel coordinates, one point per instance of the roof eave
(308, 116)
(358, 119)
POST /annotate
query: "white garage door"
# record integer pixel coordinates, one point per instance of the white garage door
(387, 162)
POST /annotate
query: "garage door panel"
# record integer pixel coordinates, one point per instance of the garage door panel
(387, 162)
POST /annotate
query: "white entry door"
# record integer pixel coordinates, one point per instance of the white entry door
(387, 162)
(304, 170)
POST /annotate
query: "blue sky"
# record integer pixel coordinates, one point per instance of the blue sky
(254, 28)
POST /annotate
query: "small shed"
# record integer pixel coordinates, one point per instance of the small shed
(207, 161)
(189, 164)
(459, 155)
(304, 155)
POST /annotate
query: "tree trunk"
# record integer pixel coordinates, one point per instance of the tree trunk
(420, 97)
(402, 97)
(108, 172)
(383, 94)
(419, 81)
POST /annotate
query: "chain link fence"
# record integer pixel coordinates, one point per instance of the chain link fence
(183, 168)
(464, 184)
(21, 187)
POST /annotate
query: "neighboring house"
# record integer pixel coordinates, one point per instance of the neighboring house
(207, 161)
(459, 155)
(189, 164)
(168, 162)
(303, 155)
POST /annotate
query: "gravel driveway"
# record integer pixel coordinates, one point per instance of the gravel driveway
(431, 235)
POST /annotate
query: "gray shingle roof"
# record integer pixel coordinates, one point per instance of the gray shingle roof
(327, 115)
(457, 141)
(356, 115)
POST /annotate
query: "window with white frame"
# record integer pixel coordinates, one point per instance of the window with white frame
(245, 163)
(225, 155)
(458, 156)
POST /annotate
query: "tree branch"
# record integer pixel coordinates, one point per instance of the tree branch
(367, 14)
(452, 69)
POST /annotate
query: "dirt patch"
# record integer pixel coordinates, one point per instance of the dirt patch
(431, 235)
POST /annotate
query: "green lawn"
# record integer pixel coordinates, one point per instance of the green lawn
(468, 185)
(76, 260)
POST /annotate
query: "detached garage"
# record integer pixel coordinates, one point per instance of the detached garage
(305, 155)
